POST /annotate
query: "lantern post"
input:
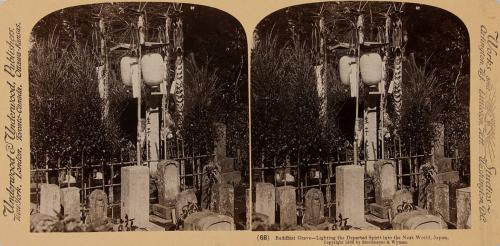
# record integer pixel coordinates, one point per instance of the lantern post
(140, 26)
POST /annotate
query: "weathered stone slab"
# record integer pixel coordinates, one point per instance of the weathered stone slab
(463, 207)
(98, 207)
(223, 197)
(439, 201)
(208, 221)
(314, 207)
(70, 201)
(227, 164)
(381, 211)
(233, 177)
(168, 181)
(50, 199)
(385, 181)
(135, 194)
(350, 193)
(444, 165)
(164, 211)
(287, 203)
(265, 201)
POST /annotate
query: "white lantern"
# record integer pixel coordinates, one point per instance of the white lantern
(125, 69)
(370, 66)
(345, 68)
(153, 69)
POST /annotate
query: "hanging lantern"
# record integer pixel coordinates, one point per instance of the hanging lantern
(345, 68)
(125, 69)
(153, 68)
(371, 68)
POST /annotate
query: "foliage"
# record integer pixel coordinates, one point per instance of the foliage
(64, 104)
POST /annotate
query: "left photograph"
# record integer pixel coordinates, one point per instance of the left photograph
(138, 119)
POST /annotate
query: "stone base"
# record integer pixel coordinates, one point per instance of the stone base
(364, 226)
(164, 212)
(231, 177)
(380, 211)
(227, 164)
(447, 177)
(375, 220)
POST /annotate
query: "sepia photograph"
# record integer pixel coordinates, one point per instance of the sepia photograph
(360, 118)
(138, 116)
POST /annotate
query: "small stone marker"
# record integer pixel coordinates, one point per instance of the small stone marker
(135, 194)
(385, 181)
(70, 201)
(223, 197)
(50, 199)
(439, 201)
(350, 193)
(463, 207)
(98, 207)
(314, 207)
(168, 181)
(265, 201)
(287, 202)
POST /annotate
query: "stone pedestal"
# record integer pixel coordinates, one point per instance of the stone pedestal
(265, 200)
(451, 177)
(135, 194)
(50, 199)
(223, 199)
(444, 165)
(287, 203)
(463, 207)
(98, 207)
(350, 193)
(314, 207)
(439, 201)
(233, 177)
(70, 201)
(164, 211)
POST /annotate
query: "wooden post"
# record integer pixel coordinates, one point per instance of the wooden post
(140, 25)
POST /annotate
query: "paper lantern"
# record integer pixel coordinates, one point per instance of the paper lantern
(125, 69)
(345, 68)
(371, 68)
(152, 68)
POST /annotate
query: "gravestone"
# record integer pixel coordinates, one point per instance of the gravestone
(248, 202)
(135, 194)
(265, 200)
(50, 199)
(444, 165)
(438, 145)
(287, 202)
(168, 181)
(439, 201)
(70, 201)
(98, 207)
(384, 180)
(314, 207)
(350, 193)
(463, 207)
(451, 177)
(223, 197)
(183, 200)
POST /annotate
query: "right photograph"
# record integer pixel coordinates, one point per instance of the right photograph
(360, 118)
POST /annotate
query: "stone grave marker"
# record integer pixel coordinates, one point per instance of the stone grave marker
(463, 207)
(184, 199)
(287, 203)
(135, 194)
(50, 199)
(314, 207)
(223, 197)
(98, 207)
(265, 201)
(70, 201)
(439, 201)
(350, 193)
